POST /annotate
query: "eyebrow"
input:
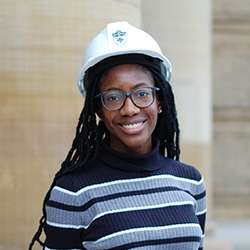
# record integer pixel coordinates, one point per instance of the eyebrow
(141, 84)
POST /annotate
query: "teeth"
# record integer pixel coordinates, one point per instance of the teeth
(132, 125)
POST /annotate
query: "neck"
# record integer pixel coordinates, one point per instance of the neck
(132, 161)
(135, 150)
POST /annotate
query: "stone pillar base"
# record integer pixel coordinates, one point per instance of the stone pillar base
(213, 244)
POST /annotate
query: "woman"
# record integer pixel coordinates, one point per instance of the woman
(121, 185)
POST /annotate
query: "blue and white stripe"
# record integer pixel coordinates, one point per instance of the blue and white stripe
(160, 211)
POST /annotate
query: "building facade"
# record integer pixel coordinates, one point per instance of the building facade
(42, 44)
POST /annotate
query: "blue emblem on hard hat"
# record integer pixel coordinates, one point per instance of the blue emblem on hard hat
(120, 37)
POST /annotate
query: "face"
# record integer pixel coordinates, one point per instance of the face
(130, 127)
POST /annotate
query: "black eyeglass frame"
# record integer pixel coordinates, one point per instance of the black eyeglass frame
(129, 94)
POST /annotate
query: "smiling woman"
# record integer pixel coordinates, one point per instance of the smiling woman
(132, 123)
(121, 185)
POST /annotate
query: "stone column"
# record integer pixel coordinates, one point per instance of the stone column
(232, 108)
(183, 29)
(42, 44)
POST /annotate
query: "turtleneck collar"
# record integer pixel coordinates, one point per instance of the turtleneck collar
(131, 162)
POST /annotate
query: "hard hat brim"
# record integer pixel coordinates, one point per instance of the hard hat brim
(93, 61)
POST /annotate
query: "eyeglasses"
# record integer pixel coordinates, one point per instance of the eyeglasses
(141, 97)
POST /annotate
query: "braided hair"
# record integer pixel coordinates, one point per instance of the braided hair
(90, 132)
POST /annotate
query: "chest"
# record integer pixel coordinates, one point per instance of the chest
(152, 218)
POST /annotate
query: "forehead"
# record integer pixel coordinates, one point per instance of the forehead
(126, 76)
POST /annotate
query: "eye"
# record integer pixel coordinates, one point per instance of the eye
(142, 93)
(112, 97)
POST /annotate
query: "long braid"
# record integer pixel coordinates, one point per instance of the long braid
(84, 148)
(89, 136)
(167, 129)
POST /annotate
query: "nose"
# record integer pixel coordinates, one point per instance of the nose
(129, 108)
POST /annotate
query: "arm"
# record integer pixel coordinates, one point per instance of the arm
(63, 222)
(201, 209)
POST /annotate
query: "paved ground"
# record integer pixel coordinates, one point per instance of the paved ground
(233, 235)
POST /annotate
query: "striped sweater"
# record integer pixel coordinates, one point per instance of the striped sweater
(128, 202)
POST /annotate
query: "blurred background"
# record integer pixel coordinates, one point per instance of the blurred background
(41, 50)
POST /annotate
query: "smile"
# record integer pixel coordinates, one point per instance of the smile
(132, 125)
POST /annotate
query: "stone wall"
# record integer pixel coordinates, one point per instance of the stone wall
(231, 151)
(183, 30)
(42, 44)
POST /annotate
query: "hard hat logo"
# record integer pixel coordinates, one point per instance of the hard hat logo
(120, 37)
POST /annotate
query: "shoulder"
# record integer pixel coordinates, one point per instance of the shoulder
(182, 170)
(77, 179)
(186, 177)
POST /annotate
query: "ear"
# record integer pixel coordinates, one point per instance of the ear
(159, 107)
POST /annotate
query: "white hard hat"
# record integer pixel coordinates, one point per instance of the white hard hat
(121, 38)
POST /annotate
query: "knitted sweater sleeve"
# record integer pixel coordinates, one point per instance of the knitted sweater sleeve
(201, 208)
(63, 223)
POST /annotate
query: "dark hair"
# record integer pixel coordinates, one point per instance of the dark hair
(90, 133)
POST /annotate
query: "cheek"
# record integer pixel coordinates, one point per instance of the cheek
(155, 110)
(153, 118)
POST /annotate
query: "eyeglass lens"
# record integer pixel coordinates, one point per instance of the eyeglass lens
(142, 97)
